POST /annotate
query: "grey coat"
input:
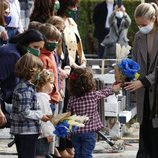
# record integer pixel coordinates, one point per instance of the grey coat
(116, 35)
(140, 55)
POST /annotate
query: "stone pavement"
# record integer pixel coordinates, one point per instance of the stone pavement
(100, 150)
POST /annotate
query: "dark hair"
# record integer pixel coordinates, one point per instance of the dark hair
(81, 81)
(24, 39)
(64, 4)
(43, 9)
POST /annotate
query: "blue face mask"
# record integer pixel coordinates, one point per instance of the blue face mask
(7, 19)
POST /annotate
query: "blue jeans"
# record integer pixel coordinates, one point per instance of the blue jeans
(84, 143)
(11, 31)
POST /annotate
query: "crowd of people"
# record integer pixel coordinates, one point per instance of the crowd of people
(43, 72)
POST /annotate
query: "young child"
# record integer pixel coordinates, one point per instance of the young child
(50, 61)
(44, 87)
(49, 57)
(64, 68)
(62, 52)
(26, 113)
(34, 25)
(83, 101)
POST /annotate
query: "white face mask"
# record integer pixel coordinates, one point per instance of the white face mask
(146, 29)
(109, 1)
(11, 1)
(119, 14)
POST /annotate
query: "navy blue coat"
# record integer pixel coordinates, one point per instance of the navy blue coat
(8, 58)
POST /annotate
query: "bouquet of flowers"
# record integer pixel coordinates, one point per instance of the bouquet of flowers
(125, 69)
(68, 124)
(129, 69)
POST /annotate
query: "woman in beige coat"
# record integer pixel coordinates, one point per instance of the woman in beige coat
(145, 52)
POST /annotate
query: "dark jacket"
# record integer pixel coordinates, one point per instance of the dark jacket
(8, 58)
(99, 19)
(147, 70)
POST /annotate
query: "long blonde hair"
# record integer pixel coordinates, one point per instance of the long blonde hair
(3, 6)
(147, 10)
(58, 22)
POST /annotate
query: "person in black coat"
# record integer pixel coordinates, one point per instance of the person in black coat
(102, 11)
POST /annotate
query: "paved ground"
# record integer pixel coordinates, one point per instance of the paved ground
(101, 148)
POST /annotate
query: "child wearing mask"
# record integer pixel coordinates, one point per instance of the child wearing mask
(26, 113)
(50, 61)
(49, 56)
(62, 52)
(44, 87)
(84, 101)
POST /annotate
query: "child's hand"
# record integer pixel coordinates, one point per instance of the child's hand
(50, 139)
(116, 87)
(63, 74)
(4, 35)
(50, 116)
(45, 118)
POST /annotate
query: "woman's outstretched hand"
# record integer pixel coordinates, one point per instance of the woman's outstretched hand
(133, 86)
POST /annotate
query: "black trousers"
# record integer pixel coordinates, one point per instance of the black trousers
(26, 145)
(64, 142)
(148, 135)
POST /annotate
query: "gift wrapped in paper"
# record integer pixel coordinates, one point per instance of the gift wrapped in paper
(126, 70)
(119, 77)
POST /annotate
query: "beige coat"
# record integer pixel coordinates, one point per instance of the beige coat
(140, 55)
(73, 46)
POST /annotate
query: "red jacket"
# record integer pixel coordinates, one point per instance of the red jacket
(49, 62)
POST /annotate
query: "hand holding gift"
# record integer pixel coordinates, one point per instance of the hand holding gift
(125, 69)
(129, 69)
